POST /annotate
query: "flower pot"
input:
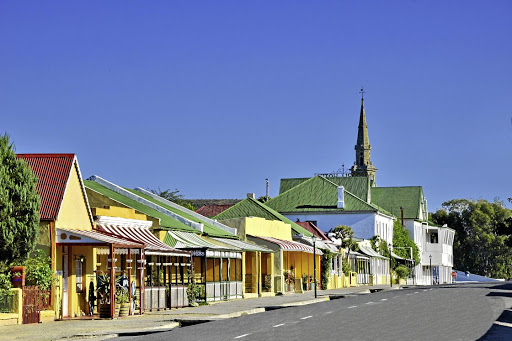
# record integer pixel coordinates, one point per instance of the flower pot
(125, 308)
(18, 276)
(117, 309)
(105, 310)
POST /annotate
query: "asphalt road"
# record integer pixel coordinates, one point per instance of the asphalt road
(457, 312)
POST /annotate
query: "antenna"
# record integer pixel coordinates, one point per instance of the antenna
(362, 92)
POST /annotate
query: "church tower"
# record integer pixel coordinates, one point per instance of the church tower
(363, 165)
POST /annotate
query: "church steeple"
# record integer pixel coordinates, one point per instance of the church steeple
(363, 165)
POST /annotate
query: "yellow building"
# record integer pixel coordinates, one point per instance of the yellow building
(291, 266)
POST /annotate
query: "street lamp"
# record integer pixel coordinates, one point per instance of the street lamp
(390, 265)
(314, 260)
(431, 272)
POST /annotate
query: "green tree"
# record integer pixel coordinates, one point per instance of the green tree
(402, 242)
(174, 196)
(346, 235)
(19, 205)
(483, 239)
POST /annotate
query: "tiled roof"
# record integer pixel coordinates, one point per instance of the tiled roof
(253, 208)
(357, 185)
(52, 171)
(392, 198)
(212, 210)
(313, 229)
(318, 194)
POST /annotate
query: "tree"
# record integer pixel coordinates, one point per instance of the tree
(402, 242)
(346, 235)
(174, 196)
(483, 235)
(19, 205)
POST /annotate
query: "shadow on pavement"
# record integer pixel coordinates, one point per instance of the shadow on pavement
(500, 330)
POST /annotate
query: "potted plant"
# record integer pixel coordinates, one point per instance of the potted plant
(305, 282)
(289, 279)
(103, 290)
(311, 283)
(123, 301)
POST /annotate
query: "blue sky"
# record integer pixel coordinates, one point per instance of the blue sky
(212, 97)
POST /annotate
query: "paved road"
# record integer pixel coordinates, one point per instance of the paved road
(462, 312)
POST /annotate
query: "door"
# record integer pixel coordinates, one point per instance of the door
(65, 274)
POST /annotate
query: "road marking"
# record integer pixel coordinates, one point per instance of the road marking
(369, 302)
(354, 306)
(384, 299)
(416, 292)
(328, 312)
(278, 325)
(241, 336)
(430, 289)
(425, 290)
(504, 324)
(408, 294)
(307, 317)
(395, 297)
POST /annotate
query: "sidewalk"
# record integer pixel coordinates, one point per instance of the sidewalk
(158, 321)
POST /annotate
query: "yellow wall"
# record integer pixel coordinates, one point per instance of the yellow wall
(256, 226)
(74, 213)
(116, 211)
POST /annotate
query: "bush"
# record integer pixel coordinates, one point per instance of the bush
(345, 267)
(402, 271)
(38, 271)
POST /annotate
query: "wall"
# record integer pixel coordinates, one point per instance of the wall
(118, 211)
(257, 226)
(74, 213)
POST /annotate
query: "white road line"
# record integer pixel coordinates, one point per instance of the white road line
(416, 292)
(369, 302)
(306, 317)
(425, 290)
(328, 312)
(430, 289)
(241, 336)
(278, 325)
(354, 306)
(408, 294)
(384, 299)
(395, 297)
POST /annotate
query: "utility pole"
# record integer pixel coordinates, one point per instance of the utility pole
(266, 198)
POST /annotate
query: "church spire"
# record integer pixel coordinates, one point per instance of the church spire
(363, 165)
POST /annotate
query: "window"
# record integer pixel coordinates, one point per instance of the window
(433, 238)
(79, 273)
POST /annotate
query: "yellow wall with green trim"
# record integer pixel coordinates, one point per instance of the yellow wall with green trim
(257, 226)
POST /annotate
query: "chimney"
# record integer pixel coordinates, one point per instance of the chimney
(251, 195)
(341, 197)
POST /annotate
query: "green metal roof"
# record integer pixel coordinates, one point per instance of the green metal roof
(165, 220)
(253, 208)
(319, 194)
(208, 228)
(357, 185)
(392, 198)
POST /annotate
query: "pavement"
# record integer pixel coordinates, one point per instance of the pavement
(165, 320)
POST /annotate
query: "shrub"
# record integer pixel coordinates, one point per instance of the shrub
(402, 271)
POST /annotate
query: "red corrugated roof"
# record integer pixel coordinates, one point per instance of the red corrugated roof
(53, 171)
(212, 210)
(313, 229)
(288, 245)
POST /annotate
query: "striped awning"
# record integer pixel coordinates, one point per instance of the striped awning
(288, 245)
(320, 244)
(245, 246)
(189, 240)
(153, 245)
(370, 252)
(69, 236)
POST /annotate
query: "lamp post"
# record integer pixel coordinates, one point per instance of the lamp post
(314, 261)
(431, 272)
(390, 265)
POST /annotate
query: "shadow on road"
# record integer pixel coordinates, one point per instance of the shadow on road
(500, 330)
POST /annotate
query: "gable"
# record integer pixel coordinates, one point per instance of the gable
(252, 208)
(74, 211)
